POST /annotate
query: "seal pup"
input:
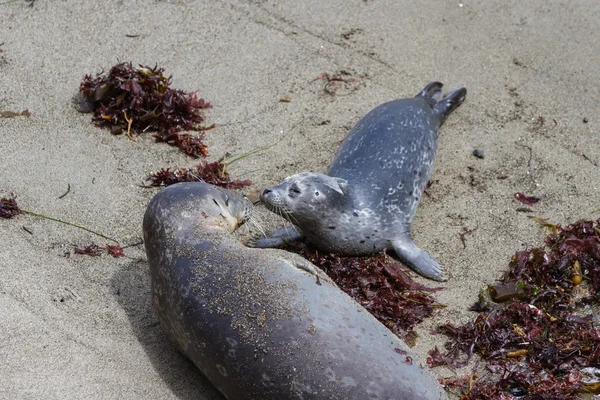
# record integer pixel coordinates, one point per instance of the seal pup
(368, 198)
(265, 324)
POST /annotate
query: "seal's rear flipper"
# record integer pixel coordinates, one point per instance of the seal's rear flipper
(418, 259)
(449, 103)
(277, 239)
(432, 92)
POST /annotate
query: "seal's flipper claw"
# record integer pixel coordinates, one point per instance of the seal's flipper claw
(277, 239)
(449, 103)
(312, 269)
(432, 91)
(265, 243)
(418, 259)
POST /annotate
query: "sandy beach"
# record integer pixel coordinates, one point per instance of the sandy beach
(74, 326)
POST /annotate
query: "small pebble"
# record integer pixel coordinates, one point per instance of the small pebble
(81, 104)
(585, 120)
(478, 153)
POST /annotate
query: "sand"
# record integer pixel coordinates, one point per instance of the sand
(77, 327)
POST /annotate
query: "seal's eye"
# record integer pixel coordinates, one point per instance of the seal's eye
(216, 202)
(226, 201)
(294, 190)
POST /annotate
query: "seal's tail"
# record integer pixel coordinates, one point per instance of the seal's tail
(449, 103)
(432, 93)
(442, 107)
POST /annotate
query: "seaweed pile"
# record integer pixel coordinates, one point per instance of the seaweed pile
(214, 173)
(540, 335)
(381, 285)
(140, 98)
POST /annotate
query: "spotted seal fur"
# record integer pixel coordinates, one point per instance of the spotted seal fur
(370, 194)
(265, 324)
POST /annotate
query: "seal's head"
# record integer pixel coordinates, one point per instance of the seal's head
(185, 206)
(229, 209)
(305, 194)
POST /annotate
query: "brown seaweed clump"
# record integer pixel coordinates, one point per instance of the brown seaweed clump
(95, 251)
(9, 207)
(140, 99)
(214, 173)
(381, 285)
(545, 342)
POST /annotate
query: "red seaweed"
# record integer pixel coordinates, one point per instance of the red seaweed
(214, 173)
(9, 207)
(381, 285)
(91, 250)
(331, 80)
(94, 250)
(527, 200)
(115, 250)
(536, 345)
(140, 98)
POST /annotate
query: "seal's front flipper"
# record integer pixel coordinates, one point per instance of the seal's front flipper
(449, 103)
(418, 259)
(312, 269)
(277, 238)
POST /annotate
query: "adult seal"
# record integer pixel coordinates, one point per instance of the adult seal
(264, 324)
(368, 198)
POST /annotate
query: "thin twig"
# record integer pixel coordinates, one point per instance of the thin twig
(530, 153)
(70, 224)
(590, 160)
(135, 244)
(129, 122)
(67, 192)
(12, 114)
(465, 231)
(244, 155)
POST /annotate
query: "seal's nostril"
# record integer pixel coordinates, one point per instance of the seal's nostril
(266, 191)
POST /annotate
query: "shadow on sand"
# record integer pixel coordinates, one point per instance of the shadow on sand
(131, 284)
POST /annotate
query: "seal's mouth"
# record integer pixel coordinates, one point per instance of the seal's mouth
(246, 213)
(273, 202)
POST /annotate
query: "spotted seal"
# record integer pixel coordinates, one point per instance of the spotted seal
(264, 324)
(370, 194)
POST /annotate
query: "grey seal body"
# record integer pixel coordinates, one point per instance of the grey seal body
(265, 324)
(368, 198)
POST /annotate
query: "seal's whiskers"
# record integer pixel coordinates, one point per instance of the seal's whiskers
(280, 211)
(254, 223)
